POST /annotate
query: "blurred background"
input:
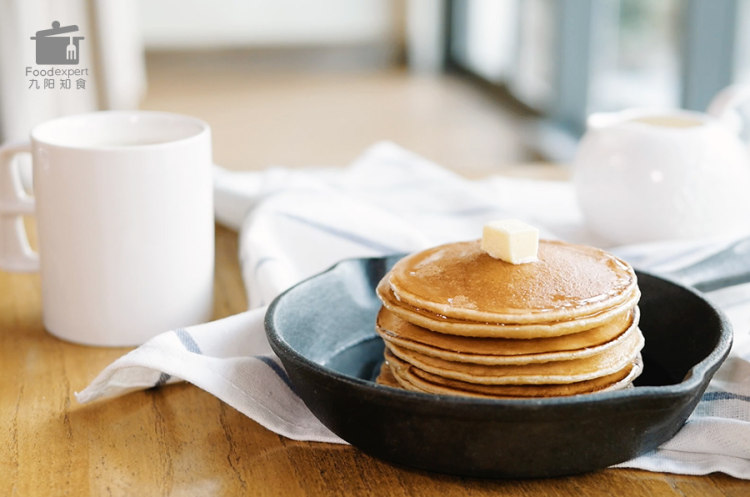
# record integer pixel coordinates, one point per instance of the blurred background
(475, 85)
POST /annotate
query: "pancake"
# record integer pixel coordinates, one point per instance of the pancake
(482, 350)
(460, 281)
(452, 326)
(385, 377)
(413, 378)
(458, 321)
(615, 381)
(562, 371)
(404, 382)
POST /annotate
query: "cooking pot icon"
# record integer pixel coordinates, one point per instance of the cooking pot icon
(54, 49)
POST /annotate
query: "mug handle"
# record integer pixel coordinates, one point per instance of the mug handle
(15, 252)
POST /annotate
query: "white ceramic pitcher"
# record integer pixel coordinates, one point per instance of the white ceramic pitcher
(649, 174)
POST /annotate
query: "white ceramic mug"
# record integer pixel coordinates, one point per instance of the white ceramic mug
(124, 211)
(655, 174)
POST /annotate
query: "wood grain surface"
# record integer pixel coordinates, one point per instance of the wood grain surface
(180, 440)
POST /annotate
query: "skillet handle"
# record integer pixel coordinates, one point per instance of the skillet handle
(729, 267)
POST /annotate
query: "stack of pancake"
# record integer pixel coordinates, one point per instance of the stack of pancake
(458, 321)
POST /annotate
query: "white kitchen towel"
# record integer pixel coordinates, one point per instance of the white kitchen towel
(295, 223)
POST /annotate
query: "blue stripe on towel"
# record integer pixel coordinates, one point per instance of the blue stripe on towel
(471, 211)
(189, 343)
(711, 396)
(276, 369)
(262, 261)
(187, 340)
(163, 379)
(352, 237)
(464, 212)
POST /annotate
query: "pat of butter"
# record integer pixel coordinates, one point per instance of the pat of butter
(511, 240)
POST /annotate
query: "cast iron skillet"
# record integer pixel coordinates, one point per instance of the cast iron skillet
(322, 330)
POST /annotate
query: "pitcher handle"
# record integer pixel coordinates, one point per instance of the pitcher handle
(726, 102)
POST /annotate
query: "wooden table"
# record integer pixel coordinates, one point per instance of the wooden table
(180, 440)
